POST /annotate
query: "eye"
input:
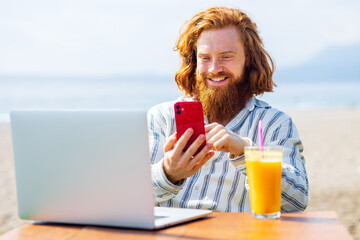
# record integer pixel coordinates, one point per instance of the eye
(226, 56)
(204, 58)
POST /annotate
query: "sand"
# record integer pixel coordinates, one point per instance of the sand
(330, 138)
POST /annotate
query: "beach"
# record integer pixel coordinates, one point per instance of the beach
(330, 138)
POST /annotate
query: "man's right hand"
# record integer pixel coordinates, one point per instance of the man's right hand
(178, 164)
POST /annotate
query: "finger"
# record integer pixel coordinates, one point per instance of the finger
(222, 144)
(197, 159)
(200, 163)
(181, 143)
(169, 145)
(216, 134)
(194, 147)
(215, 130)
(210, 126)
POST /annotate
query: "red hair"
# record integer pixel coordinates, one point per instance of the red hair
(259, 67)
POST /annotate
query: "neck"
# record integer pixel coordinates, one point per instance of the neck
(223, 122)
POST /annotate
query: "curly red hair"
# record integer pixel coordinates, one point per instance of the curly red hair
(259, 66)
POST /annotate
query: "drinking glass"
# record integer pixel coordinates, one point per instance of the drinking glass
(263, 167)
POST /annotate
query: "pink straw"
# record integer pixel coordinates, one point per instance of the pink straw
(261, 137)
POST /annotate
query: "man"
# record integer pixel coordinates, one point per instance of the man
(223, 65)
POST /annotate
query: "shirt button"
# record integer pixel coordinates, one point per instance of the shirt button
(196, 188)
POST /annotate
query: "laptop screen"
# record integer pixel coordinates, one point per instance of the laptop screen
(86, 167)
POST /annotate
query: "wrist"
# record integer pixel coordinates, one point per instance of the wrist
(245, 142)
(170, 178)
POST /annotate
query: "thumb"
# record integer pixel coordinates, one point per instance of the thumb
(170, 143)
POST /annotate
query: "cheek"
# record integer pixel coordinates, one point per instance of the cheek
(201, 68)
(236, 69)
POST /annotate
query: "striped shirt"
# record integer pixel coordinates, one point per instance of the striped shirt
(221, 183)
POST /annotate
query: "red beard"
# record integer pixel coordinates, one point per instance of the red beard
(222, 103)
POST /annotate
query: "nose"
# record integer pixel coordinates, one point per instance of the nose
(215, 66)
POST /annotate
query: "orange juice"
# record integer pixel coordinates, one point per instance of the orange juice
(264, 178)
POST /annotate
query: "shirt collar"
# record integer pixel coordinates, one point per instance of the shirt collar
(249, 107)
(254, 102)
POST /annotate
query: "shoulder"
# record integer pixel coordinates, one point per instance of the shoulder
(270, 114)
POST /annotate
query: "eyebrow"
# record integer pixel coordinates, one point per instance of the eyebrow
(225, 52)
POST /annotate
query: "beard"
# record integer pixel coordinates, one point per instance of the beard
(221, 104)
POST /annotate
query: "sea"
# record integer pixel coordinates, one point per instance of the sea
(145, 91)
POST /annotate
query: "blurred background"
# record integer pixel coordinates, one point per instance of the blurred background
(111, 54)
(116, 54)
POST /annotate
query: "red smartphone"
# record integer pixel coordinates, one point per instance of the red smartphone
(189, 114)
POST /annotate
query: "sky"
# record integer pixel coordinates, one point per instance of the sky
(114, 37)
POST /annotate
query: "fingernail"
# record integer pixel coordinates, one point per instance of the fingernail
(189, 130)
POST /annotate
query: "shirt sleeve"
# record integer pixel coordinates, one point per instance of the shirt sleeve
(239, 161)
(159, 130)
(294, 183)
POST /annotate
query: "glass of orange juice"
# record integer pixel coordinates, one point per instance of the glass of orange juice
(263, 167)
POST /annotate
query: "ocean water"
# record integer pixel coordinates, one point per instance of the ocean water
(142, 92)
(315, 94)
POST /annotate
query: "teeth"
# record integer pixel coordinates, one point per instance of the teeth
(217, 79)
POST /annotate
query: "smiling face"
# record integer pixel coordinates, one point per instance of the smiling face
(220, 84)
(213, 46)
(220, 57)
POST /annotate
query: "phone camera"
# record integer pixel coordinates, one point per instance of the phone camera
(178, 106)
(178, 111)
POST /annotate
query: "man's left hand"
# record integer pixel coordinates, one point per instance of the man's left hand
(225, 140)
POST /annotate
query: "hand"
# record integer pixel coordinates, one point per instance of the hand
(225, 140)
(178, 164)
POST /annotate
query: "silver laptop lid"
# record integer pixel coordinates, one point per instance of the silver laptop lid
(86, 167)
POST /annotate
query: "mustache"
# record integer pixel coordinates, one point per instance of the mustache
(218, 75)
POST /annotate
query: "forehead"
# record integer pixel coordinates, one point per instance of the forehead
(219, 40)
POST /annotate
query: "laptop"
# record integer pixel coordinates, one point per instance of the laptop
(89, 167)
